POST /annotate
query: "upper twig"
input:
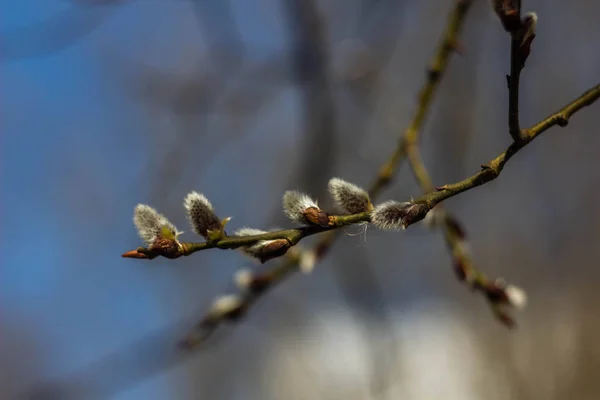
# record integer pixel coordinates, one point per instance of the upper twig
(522, 33)
(492, 170)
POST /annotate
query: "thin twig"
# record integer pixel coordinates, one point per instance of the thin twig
(514, 126)
(492, 170)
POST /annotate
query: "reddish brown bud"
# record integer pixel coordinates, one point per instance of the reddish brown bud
(316, 216)
(168, 248)
(273, 249)
(139, 253)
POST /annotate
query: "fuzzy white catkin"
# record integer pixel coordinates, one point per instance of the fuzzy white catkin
(349, 197)
(201, 214)
(295, 203)
(149, 223)
(389, 215)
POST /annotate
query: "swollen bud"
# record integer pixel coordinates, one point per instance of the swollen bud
(152, 226)
(299, 207)
(316, 216)
(393, 215)
(349, 197)
(264, 250)
(202, 216)
(169, 248)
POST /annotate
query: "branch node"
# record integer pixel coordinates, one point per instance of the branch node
(561, 120)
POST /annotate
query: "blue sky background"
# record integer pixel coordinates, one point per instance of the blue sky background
(93, 126)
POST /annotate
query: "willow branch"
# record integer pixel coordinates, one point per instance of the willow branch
(262, 282)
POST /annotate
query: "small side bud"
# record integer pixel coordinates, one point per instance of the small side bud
(151, 225)
(273, 249)
(301, 208)
(316, 216)
(349, 197)
(201, 214)
(264, 250)
(228, 306)
(393, 215)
